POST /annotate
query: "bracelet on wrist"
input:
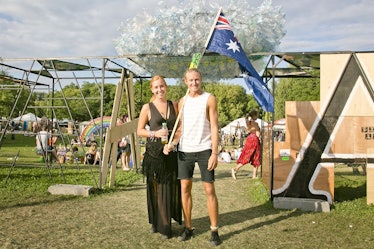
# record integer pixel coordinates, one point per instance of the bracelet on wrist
(152, 135)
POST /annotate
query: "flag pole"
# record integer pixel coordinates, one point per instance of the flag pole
(193, 65)
(211, 31)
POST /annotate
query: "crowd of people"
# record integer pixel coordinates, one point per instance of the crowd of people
(90, 154)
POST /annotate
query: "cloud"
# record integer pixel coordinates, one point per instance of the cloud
(328, 26)
(63, 28)
(73, 28)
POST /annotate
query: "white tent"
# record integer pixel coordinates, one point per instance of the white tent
(29, 117)
(240, 122)
(280, 125)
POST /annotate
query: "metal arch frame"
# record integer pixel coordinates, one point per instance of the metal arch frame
(38, 73)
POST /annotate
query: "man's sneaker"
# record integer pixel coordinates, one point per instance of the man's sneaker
(214, 239)
(186, 234)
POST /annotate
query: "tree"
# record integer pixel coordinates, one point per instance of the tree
(295, 89)
(75, 103)
(9, 94)
(232, 100)
(143, 93)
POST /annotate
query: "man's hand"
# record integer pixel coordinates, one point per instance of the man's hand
(168, 148)
(212, 162)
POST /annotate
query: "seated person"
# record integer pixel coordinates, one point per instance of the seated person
(72, 155)
(235, 153)
(73, 142)
(92, 155)
(224, 156)
(61, 153)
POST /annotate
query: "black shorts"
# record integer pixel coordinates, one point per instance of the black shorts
(186, 165)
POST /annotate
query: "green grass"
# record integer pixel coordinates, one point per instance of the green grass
(27, 185)
(29, 180)
(119, 214)
(27, 147)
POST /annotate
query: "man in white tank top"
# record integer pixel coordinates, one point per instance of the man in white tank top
(198, 144)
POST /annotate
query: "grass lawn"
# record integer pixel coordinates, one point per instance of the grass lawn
(117, 218)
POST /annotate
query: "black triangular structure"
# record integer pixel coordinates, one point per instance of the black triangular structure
(298, 186)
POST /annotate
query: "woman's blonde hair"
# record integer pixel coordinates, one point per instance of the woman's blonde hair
(155, 78)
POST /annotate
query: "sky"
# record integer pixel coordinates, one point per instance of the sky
(79, 28)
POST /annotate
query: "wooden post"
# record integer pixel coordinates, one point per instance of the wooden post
(108, 145)
(134, 143)
(115, 132)
(370, 177)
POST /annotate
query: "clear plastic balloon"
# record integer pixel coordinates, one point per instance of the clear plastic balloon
(183, 29)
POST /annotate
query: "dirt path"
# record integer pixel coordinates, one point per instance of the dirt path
(119, 220)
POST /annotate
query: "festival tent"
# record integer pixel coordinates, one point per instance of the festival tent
(240, 122)
(279, 125)
(29, 117)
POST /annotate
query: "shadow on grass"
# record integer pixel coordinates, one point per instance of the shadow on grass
(349, 185)
(238, 217)
(349, 193)
(29, 203)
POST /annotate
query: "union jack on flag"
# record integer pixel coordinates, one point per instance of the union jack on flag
(222, 23)
(223, 41)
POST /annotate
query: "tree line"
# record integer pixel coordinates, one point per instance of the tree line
(84, 102)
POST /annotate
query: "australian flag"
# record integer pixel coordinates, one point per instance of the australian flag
(224, 42)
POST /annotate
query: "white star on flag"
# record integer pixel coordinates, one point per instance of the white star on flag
(233, 45)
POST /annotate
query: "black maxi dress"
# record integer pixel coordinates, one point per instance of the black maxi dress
(161, 171)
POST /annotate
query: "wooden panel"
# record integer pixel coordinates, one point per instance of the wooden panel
(325, 180)
(370, 177)
(354, 136)
(299, 119)
(370, 183)
(343, 129)
(332, 66)
(282, 167)
(366, 60)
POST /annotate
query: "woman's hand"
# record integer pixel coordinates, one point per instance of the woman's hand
(161, 132)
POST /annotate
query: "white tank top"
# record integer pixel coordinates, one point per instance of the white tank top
(196, 134)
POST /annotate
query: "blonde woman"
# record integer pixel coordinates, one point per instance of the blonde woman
(92, 155)
(160, 160)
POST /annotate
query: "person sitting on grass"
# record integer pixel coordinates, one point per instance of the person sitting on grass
(92, 155)
(224, 156)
